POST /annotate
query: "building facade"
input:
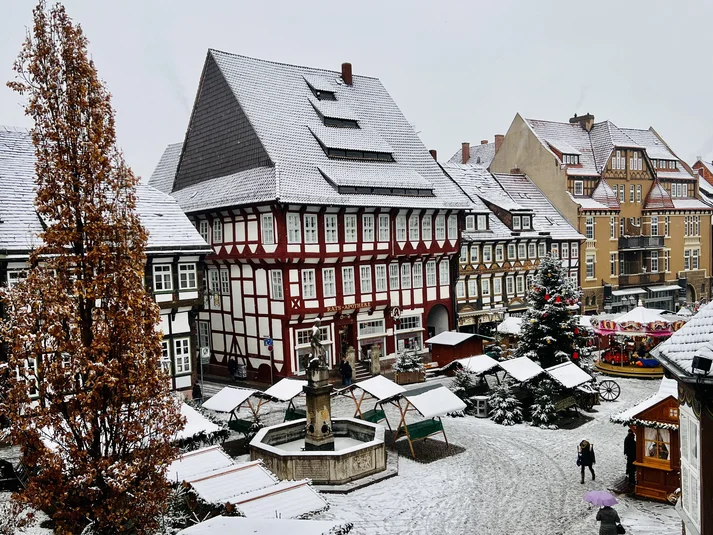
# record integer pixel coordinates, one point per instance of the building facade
(511, 226)
(175, 252)
(634, 200)
(322, 206)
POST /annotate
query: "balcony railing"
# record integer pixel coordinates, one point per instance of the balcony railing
(642, 278)
(640, 242)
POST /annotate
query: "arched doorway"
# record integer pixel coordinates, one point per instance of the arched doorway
(690, 294)
(437, 320)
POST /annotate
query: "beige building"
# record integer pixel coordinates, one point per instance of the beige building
(647, 232)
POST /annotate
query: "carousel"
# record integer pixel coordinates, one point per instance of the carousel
(626, 340)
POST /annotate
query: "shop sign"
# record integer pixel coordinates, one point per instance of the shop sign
(352, 306)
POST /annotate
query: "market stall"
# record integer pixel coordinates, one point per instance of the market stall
(230, 400)
(378, 388)
(285, 391)
(450, 345)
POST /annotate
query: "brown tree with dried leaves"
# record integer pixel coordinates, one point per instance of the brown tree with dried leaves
(89, 405)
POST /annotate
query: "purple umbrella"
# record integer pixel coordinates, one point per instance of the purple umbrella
(600, 498)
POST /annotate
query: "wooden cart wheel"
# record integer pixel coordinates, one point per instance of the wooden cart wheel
(609, 390)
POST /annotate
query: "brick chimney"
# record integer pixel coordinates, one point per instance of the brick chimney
(347, 73)
(466, 152)
(483, 141)
(434, 154)
(585, 121)
(498, 141)
(515, 171)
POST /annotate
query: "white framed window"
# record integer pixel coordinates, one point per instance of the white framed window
(696, 253)
(512, 252)
(473, 287)
(638, 193)
(187, 277)
(308, 285)
(380, 278)
(162, 278)
(590, 266)
(463, 254)
(311, 228)
(294, 228)
(666, 259)
(413, 228)
(460, 290)
(224, 282)
(431, 273)
(165, 361)
(276, 291)
(631, 193)
(427, 228)
(578, 187)
(612, 264)
(365, 279)
(520, 284)
(384, 227)
(487, 254)
(331, 234)
(268, 229)
(498, 286)
(405, 276)
(485, 287)
(440, 227)
(203, 230)
(401, 228)
(394, 276)
(214, 281)
(575, 250)
(452, 227)
(348, 280)
(367, 228)
(654, 261)
(666, 226)
(516, 223)
(217, 231)
(687, 259)
(526, 222)
(612, 228)
(510, 285)
(470, 222)
(329, 282)
(482, 222)
(350, 228)
(589, 228)
(654, 225)
(689, 426)
(522, 251)
(622, 193)
(28, 373)
(532, 250)
(541, 249)
(444, 274)
(474, 254)
(499, 253)
(555, 250)
(565, 250)
(182, 355)
(203, 334)
(418, 275)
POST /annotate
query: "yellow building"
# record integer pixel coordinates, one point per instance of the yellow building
(648, 235)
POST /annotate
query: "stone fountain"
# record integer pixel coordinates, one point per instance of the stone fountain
(327, 451)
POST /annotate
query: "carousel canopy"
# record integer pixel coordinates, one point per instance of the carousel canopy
(640, 321)
(641, 315)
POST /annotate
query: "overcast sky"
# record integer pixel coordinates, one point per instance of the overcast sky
(458, 70)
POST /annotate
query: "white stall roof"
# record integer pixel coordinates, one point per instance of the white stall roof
(431, 402)
(228, 399)
(224, 485)
(568, 374)
(510, 326)
(380, 387)
(196, 424)
(478, 364)
(668, 387)
(284, 390)
(230, 525)
(195, 464)
(287, 499)
(521, 369)
(449, 338)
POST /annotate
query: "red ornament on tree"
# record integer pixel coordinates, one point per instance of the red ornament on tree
(558, 299)
(547, 297)
(576, 330)
(575, 356)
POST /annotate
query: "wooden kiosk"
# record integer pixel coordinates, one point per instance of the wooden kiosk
(658, 458)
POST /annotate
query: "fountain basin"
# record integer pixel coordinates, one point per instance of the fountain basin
(359, 451)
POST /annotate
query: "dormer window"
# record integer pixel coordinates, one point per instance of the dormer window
(526, 222)
(571, 159)
(470, 223)
(323, 95)
(516, 222)
(578, 187)
(482, 222)
(340, 123)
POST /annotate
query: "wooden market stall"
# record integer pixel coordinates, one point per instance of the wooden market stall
(656, 425)
(450, 345)
(230, 400)
(285, 391)
(378, 388)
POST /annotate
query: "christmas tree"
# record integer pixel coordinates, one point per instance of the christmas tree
(408, 361)
(462, 384)
(505, 408)
(548, 327)
(542, 411)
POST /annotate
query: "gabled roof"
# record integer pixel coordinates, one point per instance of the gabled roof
(658, 198)
(482, 154)
(605, 195)
(169, 229)
(668, 388)
(573, 135)
(284, 115)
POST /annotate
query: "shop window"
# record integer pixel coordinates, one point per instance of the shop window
(657, 445)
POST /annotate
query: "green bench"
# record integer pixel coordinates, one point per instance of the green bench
(294, 414)
(374, 415)
(241, 426)
(421, 430)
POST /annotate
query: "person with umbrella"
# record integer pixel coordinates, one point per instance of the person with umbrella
(609, 518)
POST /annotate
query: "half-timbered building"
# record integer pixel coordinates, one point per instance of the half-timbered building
(320, 203)
(175, 251)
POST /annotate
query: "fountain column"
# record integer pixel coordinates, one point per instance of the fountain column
(319, 436)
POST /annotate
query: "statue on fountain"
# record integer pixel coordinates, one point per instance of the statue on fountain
(318, 355)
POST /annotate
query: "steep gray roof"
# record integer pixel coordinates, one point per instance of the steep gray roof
(482, 154)
(162, 177)
(169, 228)
(280, 107)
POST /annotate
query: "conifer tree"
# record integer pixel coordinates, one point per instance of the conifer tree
(81, 328)
(547, 333)
(505, 408)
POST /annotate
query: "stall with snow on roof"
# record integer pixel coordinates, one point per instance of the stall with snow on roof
(378, 388)
(450, 345)
(230, 400)
(285, 391)
(656, 424)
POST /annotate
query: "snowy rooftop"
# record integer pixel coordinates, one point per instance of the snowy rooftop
(449, 338)
(284, 390)
(195, 464)
(481, 154)
(226, 485)
(667, 388)
(230, 525)
(287, 499)
(380, 387)
(432, 402)
(510, 325)
(521, 369)
(196, 424)
(568, 374)
(478, 364)
(229, 399)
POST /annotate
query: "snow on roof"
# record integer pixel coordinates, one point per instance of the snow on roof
(449, 338)
(277, 102)
(689, 204)
(657, 198)
(605, 195)
(196, 424)
(432, 402)
(584, 321)
(195, 464)
(641, 315)
(694, 338)
(667, 388)
(629, 291)
(165, 171)
(510, 325)
(481, 154)
(562, 146)
(287, 499)
(571, 134)
(284, 390)
(478, 364)
(380, 387)
(398, 177)
(568, 374)
(230, 525)
(229, 399)
(521, 369)
(228, 484)
(587, 203)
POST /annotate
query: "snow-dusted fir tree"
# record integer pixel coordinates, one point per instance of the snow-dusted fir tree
(408, 361)
(542, 411)
(81, 329)
(547, 333)
(462, 383)
(505, 408)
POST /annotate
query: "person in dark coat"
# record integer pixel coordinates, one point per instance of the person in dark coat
(346, 370)
(232, 368)
(197, 394)
(586, 457)
(609, 519)
(630, 452)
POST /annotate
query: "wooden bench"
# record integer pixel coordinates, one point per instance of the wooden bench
(422, 430)
(374, 415)
(294, 414)
(241, 426)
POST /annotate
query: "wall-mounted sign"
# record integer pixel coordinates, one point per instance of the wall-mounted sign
(352, 306)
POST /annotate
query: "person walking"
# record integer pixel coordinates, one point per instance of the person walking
(630, 452)
(586, 458)
(232, 368)
(346, 370)
(609, 519)
(197, 394)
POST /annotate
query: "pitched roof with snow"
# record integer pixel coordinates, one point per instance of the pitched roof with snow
(694, 338)
(279, 105)
(169, 228)
(162, 177)
(482, 154)
(658, 198)
(605, 195)
(667, 388)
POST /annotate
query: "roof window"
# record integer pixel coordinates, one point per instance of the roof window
(323, 95)
(340, 123)
(570, 159)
